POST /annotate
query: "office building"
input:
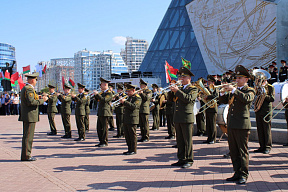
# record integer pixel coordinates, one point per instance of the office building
(134, 53)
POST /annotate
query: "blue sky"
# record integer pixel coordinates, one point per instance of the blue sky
(47, 29)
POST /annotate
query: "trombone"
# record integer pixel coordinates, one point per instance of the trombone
(214, 100)
(270, 112)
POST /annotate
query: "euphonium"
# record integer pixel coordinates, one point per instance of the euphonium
(260, 76)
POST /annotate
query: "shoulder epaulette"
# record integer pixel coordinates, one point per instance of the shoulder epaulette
(108, 91)
(137, 95)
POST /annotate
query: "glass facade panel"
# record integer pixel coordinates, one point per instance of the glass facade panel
(173, 39)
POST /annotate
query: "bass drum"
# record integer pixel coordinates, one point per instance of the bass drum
(197, 106)
(281, 92)
(222, 114)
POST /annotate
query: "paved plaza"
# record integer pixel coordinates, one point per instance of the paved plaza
(66, 165)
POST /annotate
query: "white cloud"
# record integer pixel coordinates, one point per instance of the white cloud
(120, 40)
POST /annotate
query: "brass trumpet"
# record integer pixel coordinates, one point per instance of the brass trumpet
(117, 102)
(213, 101)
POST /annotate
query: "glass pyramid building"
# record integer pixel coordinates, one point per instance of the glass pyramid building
(174, 39)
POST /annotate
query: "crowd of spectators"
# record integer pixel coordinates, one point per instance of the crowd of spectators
(10, 104)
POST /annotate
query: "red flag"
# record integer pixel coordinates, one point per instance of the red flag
(20, 82)
(168, 78)
(63, 82)
(14, 77)
(7, 75)
(72, 83)
(44, 70)
(1, 76)
(26, 69)
(170, 72)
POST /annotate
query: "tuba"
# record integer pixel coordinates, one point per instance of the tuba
(205, 92)
(260, 76)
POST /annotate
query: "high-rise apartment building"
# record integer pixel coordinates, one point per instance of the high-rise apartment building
(91, 65)
(56, 69)
(134, 53)
(84, 69)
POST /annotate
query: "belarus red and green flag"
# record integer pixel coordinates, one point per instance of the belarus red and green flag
(186, 63)
(7, 75)
(20, 82)
(44, 70)
(170, 72)
(1, 76)
(26, 69)
(14, 79)
(71, 82)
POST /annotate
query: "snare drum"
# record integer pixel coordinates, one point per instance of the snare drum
(222, 114)
(197, 106)
(281, 92)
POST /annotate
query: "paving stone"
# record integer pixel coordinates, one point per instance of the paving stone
(66, 165)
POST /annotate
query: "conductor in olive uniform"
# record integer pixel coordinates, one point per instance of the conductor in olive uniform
(80, 111)
(52, 109)
(29, 115)
(184, 117)
(104, 112)
(87, 110)
(144, 111)
(155, 110)
(131, 118)
(264, 128)
(119, 110)
(211, 113)
(238, 122)
(66, 100)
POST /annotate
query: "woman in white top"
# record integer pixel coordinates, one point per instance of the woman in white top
(16, 104)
